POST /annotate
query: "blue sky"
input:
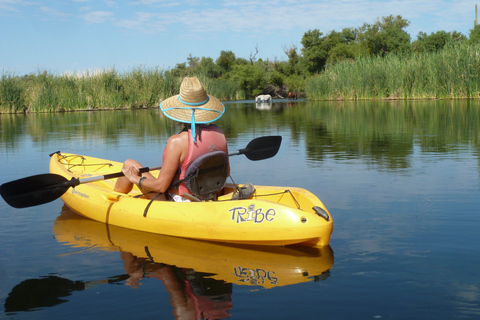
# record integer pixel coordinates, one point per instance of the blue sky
(79, 35)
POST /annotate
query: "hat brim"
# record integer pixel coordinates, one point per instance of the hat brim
(208, 112)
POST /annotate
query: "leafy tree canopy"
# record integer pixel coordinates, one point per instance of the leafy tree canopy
(385, 35)
(475, 34)
(435, 41)
(319, 50)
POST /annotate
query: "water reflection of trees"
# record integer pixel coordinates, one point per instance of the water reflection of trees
(380, 132)
(385, 132)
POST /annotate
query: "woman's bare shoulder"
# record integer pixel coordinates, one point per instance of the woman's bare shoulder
(178, 143)
(181, 137)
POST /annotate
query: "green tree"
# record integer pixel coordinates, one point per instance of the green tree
(318, 50)
(385, 35)
(180, 70)
(340, 52)
(225, 61)
(288, 68)
(474, 35)
(434, 41)
(207, 67)
(193, 63)
(342, 45)
(250, 78)
(274, 79)
(314, 54)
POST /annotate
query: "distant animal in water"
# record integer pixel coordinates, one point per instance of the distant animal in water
(263, 98)
(292, 95)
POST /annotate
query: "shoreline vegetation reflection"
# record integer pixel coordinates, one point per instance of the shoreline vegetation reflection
(383, 133)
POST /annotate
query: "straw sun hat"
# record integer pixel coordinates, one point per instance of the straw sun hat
(193, 104)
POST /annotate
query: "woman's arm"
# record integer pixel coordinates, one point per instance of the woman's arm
(175, 152)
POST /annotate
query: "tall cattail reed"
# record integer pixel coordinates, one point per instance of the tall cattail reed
(106, 89)
(451, 73)
(98, 90)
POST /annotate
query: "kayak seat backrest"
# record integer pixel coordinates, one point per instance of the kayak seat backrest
(207, 175)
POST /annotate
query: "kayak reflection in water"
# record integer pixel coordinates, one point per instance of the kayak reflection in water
(192, 294)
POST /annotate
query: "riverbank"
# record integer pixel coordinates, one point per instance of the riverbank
(450, 73)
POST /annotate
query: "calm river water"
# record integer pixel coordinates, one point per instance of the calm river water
(401, 180)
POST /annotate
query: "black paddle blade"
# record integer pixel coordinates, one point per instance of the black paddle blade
(40, 293)
(262, 148)
(34, 190)
(48, 291)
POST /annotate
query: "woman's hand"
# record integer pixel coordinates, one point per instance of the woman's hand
(132, 173)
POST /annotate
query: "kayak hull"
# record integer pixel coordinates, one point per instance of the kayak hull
(274, 216)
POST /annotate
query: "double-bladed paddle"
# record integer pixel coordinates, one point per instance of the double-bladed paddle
(44, 188)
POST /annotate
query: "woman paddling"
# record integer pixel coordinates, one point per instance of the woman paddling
(196, 109)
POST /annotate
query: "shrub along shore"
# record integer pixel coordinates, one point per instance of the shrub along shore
(450, 73)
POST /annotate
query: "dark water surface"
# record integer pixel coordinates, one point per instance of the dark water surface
(401, 180)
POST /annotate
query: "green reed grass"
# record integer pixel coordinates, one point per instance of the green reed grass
(12, 94)
(106, 89)
(99, 90)
(447, 74)
(224, 90)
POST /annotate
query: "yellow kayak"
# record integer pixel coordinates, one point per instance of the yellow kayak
(268, 267)
(275, 216)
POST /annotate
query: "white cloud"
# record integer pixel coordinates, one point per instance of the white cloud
(48, 12)
(276, 16)
(8, 6)
(259, 18)
(5, 7)
(146, 22)
(157, 3)
(98, 16)
(111, 4)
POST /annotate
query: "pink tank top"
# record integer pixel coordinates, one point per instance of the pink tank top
(208, 139)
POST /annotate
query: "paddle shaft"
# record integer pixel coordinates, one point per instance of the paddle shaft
(43, 188)
(113, 175)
